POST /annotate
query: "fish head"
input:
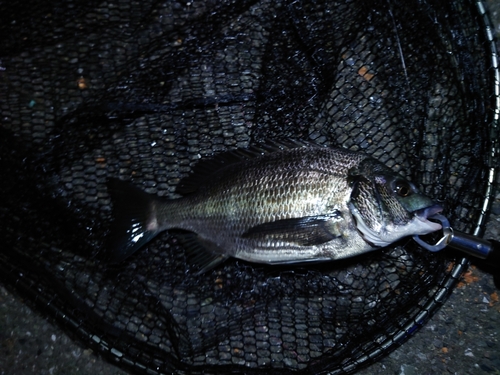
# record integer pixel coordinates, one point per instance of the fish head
(386, 207)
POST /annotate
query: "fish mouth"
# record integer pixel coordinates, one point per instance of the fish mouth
(425, 213)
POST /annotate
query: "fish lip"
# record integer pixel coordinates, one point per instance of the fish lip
(427, 212)
(424, 214)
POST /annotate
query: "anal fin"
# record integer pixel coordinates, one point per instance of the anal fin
(204, 255)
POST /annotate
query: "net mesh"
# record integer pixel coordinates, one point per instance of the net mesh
(142, 90)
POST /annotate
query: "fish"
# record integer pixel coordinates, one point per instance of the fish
(278, 203)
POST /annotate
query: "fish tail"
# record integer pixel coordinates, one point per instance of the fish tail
(135, 219)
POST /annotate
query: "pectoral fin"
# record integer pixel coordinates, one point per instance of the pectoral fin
(304, 231)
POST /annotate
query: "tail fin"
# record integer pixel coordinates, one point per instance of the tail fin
(135, 219)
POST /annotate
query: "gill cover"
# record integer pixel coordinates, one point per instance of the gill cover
(385, 204)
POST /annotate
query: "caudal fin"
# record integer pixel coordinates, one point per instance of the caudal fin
(135, 220)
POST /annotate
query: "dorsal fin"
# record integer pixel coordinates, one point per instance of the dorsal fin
(206, 168)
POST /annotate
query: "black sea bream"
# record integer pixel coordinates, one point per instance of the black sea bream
(281, 204)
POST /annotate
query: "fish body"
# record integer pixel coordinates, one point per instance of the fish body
(281, 204)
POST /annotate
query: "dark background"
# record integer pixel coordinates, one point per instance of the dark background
(462, 338)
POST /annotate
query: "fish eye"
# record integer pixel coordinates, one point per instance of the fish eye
(403, 188)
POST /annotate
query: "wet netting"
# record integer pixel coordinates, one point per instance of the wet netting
(141, 90)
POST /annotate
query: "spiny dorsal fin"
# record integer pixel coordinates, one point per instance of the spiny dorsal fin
(206, 168)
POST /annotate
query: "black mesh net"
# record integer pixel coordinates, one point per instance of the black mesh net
(143, 90)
